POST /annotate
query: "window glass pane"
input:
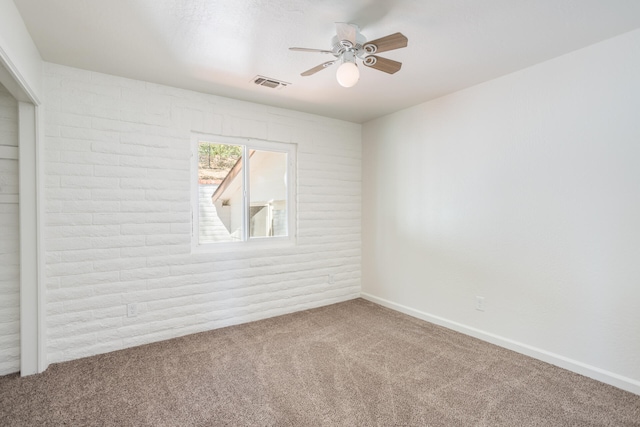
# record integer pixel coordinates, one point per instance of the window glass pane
(267, 193)
(220, 192)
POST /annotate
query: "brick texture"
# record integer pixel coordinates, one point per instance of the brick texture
(118, 215)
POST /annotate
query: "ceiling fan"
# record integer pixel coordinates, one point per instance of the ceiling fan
(348, 45)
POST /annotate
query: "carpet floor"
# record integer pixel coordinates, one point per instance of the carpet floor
(348, 364)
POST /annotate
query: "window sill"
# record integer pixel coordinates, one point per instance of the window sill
(250, 245)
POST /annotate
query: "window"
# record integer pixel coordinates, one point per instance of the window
(244, 191)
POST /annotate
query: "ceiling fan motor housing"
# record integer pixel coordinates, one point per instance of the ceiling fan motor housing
(341, 46)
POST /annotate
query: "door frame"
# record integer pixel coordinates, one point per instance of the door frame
(32, 293)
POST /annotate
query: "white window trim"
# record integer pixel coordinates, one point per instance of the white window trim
(247, 243)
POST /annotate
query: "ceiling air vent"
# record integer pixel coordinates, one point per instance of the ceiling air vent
(269, 82)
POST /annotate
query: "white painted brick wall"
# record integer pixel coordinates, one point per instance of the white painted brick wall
(9, 237)
(118, 221)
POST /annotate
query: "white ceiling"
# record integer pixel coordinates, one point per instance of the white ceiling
(218, 46)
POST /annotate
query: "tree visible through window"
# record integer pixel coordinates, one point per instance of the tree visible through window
(243, 191)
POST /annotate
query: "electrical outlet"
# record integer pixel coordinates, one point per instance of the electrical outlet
(480, 303)
(331, 279)
(132, 310)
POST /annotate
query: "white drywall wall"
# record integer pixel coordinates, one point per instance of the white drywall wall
(9, 236)
(118, 220)
(524, 190)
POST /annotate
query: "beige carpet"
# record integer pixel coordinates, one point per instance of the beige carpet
(349, 364)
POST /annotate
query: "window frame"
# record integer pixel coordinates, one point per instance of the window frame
(247, 242)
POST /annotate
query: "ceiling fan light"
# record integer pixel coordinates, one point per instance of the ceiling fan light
(348, 74)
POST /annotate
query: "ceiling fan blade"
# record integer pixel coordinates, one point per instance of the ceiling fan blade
(383, 44)
(382, 64)
(317, 68)
(306, 49)
(346, 31)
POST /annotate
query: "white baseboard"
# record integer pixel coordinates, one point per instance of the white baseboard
(602, 375)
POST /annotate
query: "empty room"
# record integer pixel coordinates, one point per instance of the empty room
(320, 213)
